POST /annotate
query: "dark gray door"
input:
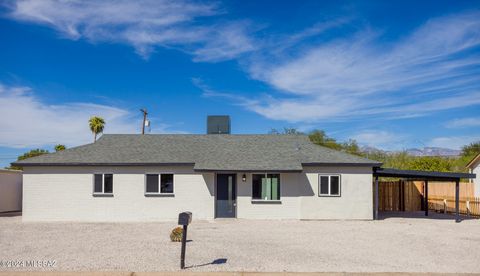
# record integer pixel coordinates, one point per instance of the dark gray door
(226, 196)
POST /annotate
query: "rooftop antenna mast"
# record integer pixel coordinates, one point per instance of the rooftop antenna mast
(145, 113)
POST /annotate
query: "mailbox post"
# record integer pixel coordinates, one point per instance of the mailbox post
(184, 219)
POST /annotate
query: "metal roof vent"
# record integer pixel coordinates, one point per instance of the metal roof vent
(218, 124)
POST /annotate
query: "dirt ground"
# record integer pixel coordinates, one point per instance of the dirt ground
(393, 244)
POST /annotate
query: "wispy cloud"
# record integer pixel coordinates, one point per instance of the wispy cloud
(454, 142)
(381, 139)
(27, 121)
(434, 68)
(143, 24)
(311, 75)
(464, 123)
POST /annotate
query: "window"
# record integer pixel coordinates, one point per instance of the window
(329, 185)
(266, 186)
(152, 183)
(166, 183)
(103, 184)
(159, 183)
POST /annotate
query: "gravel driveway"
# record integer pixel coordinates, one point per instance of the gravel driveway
(389, 245)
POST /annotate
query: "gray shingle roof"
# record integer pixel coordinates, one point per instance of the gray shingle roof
(205, 152)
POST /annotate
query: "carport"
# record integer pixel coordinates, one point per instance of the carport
(424, 176)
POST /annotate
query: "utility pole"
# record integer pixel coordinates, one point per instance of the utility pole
(144, 111)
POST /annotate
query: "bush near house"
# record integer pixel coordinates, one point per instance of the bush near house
(176, 235)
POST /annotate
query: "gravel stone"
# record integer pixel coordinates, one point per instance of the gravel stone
(393, 244)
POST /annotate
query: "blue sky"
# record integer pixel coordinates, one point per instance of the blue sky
(390, 74)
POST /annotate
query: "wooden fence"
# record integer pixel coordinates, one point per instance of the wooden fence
(399, 196)
(409, 196)
(446, 204)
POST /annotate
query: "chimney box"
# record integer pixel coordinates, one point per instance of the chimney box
(218, 124)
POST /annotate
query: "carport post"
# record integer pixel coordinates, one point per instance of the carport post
(425, 201)
(376, 198)
(457, 200)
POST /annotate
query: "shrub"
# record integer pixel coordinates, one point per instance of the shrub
(176, 235)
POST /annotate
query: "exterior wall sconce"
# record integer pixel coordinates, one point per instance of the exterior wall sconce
(244, 178)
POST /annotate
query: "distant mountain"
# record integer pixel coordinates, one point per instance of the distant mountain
(426, 151)
(369, 149)
(433, 151)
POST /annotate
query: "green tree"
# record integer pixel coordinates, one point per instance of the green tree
(432, 163)
(471, 149)
(32, 153)
(468, 153)
(351, 146)
(97, 124)
(59, 147)
(319, 137)
(400, 160)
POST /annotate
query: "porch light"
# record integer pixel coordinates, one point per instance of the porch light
(244, 178)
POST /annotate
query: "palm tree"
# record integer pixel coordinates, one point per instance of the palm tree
(96, 126)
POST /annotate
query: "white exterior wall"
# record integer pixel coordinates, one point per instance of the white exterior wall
(355, 202)
(289, 197)
(299, 196)
(65, 194)
(476, 170)
(10, 190)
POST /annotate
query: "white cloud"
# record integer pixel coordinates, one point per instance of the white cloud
(143, 24)
(464, 123)
(26, 121)
(349, 77)
(380, 139)
(454, 142)
(430, 70)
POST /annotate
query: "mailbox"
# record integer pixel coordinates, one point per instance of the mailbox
(185, 218)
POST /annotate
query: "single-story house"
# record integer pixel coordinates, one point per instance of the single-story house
(474, 167)
(129, 177)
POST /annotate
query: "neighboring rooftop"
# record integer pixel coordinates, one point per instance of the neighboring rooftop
(219, 152)
(474, 162)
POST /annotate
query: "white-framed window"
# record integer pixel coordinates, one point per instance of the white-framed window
(329, 185)
(159, 184)
(103, 184)
(266, 186)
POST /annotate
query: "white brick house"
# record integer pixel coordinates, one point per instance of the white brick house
(154, 177)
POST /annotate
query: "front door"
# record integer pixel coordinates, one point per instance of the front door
(226, 196)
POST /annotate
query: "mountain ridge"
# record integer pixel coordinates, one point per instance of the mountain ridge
(425, 151)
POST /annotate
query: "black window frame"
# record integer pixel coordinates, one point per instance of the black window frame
(266, 176)
(159, 184)
(329, 194)
(104, 176)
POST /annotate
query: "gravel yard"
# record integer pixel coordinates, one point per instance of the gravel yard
(389, 245)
